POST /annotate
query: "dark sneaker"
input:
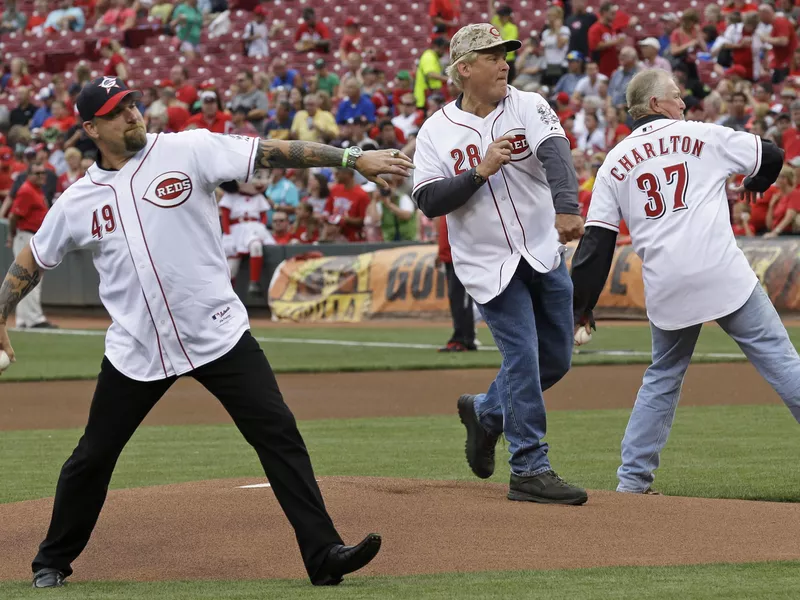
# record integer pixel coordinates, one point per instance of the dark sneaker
(454, 347)
(44, 325)
(547, 488)
(480, 443)
(47, 578)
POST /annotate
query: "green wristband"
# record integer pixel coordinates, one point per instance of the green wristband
(344, 158)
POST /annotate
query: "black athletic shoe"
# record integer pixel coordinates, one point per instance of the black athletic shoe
(44, 325)
(480, 443)
(547, 488)
(342, 560)
(48, 578)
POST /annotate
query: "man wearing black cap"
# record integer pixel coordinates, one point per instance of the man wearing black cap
(147, 210)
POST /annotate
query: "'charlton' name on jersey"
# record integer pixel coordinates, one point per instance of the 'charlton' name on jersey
(673, 144)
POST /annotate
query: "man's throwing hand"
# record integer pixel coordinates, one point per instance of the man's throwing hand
(374, 163)
(569, 227)
(497, 155)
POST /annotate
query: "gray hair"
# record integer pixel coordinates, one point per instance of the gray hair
(647, 84)
(452, 70)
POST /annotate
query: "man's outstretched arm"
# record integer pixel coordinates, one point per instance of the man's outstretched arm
(23, 275)
(300, 155)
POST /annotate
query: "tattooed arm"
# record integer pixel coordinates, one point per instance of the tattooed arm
(300, 155)
(23, 275)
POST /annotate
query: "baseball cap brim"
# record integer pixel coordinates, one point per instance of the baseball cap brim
(112, 102)
(510, 46)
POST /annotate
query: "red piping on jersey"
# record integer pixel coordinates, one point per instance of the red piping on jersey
(497, 208)
(147, 304)
(426, 181)
(649, 132)
(250, 161)
(150, 256)
(41, 262)
(603, 222)
(511, 199)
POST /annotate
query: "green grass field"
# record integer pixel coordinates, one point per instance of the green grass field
(745, 452)
(60, 356)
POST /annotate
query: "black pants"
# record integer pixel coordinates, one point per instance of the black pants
(245, 384)
(460, 309)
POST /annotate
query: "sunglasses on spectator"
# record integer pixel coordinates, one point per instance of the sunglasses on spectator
(37, 172)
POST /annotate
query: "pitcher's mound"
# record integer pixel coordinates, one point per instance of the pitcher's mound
(219, 530)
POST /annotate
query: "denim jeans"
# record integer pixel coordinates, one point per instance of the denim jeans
(758, 330)
(531, 323)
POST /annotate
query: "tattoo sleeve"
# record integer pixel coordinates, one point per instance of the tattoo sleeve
(296, 155)
(19, 281)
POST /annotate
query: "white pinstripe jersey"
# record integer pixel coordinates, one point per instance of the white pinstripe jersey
(512, 215)
(154, 232)
(667, 181)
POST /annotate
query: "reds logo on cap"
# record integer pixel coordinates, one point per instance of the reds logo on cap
(494, 31)
(169, 190)
(520, 149)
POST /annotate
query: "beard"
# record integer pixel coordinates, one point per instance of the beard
(135, 139)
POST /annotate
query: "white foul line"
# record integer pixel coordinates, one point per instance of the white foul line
(396, 345)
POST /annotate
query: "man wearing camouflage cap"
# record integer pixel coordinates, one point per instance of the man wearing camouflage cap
(497, 162)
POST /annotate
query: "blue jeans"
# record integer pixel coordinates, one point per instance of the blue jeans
(531, 323)
(758, 330)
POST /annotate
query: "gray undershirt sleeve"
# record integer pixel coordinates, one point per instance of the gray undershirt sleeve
(445, 195)
(556, 158)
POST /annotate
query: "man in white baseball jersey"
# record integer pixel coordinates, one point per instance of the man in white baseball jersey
(667, 181)
(498, 164)
(147, 210)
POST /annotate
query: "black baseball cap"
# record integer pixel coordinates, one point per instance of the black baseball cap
(100, 96)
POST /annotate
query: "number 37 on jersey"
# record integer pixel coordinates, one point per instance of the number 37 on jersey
(676, 177)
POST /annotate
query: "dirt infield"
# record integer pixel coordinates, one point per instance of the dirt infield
(215, 530)
(381, 394)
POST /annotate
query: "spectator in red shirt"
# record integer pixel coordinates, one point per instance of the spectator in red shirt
(445, 13)
(740, 6)
(184, 90)
(713, 16)
(120, 15)
(18, 77)
(306, 228)
(116, 65)
(784, 204)
(685, 41)
(783, 40)
(38, 17)
(281, 232)
(210, 116)
(177, 113)
(349, 202)
(311, 35)
(27, 213)
(74, 171)
(790, 138)
(742, 227)
(61, 119)
(604, 40)
(351, 40)
(615, 130)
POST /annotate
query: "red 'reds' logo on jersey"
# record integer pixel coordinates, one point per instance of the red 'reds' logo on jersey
(520, 149)
(169, 190)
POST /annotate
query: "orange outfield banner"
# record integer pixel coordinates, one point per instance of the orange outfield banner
(405, 282)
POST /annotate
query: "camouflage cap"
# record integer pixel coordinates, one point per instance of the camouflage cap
(478, 36)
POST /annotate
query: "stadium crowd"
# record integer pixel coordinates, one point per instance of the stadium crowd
(737, 64)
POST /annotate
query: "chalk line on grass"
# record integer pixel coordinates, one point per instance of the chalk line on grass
(392, 345)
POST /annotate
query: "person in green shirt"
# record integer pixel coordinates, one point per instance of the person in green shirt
(326, 81)
(398, 213)
(187, 22)
(429, 72)
(504, 21)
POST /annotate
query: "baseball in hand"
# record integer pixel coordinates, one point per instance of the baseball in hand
(582, 337)
(4, 360)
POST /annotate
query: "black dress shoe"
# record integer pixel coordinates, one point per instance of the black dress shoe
(47, 578)
(342, 560)
(44, 325)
